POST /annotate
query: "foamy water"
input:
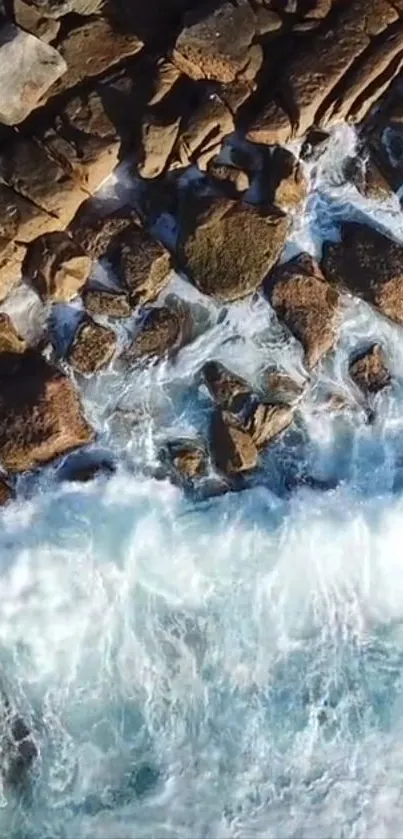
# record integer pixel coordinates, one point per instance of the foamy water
(229, 667)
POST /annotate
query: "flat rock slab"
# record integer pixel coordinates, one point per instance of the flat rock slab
(369, 265)
(229, 253)
(40, 413)
(28, 68)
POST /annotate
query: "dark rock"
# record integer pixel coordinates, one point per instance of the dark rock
(93, 347)
(230, 392)
(21, 751)
(99, 237)
(307, 304)
(189, 459)
(111, 304)
(40, 413)
(233, 450)
(84, 469)
(6, 493)
(216, 251)
(368, 264)
(163, 331)
(57, 267)
(284, 182)
(315, 144)
(367, 178)
(369, 370)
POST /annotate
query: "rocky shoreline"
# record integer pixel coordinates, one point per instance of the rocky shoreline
(86, 84)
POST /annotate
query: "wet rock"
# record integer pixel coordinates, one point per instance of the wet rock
(230, 179)
(315, 144)
(111, 304)
(369, 370)
(367, 178)
(40, 413)
(6, 493)
(162, 332)
(216, 46)
(10, 340)
(266, 422)
(157, 142)
(143, 265)
(92, 48)
(284, 181)
(93, 347)
(233, 450)
(230, 392)
(271, 125)
(280, 387)
(216, 253)
(189, 459)
(28, 68)
(21, 220)
(307, 304)
(367, 264)
(81, 469)
(57, 267)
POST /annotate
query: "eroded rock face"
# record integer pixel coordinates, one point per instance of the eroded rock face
(163, 332)
(232, 449)
(28, 68)
(40, 419)
(307, 304)
(368, 264)
(217, 255)
(369, 370)
(266, 422)
(216, 47)
(57, 267)
(93, 347)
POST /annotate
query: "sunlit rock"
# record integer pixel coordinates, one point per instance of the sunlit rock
(57, 267)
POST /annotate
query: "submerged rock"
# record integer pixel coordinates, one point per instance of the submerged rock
(93, 347)
(307, 304)
(369, 370)
(280, 387)
(40, 413)
(83, 469)
(228, 251)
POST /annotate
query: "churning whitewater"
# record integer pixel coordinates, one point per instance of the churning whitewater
(222, 667)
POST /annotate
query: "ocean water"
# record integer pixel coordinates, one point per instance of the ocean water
(217, 667)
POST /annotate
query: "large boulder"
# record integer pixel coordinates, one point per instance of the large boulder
(40, 413)
(368, 264)
(57, 267)
(369, 371)
(228, 251)
(307, 304)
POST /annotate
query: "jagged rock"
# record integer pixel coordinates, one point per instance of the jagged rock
(231, 179)
(367, 178)
(28, 68)
(233, 450)
(157, 142)
(84, 140)
(57, 267)
(216, 46)
(111, 304)
(40, 413)
(143, 264)
(204, 131)
(163, 331)
(280, 387)
(21, 220)
(6, 493)
(369, 370)
(92, 48)
(19, 747)
(28, 17)
(93, 347)
(315, 144)
(386, 141)
(230, 392)
(266, 422)
(10, 340)
(285, 184)
(189, 459)
(26, 167)
(216, 251)
(367, 264)
(307, 304)
(84, 469)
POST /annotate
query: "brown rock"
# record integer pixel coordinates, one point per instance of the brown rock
(233, 450)
(166, 78)
(267, 422)
(217, 254)
(189, 459)
(367, 178)
(99, 237)
(157, 142)
(281, 388)
(162, 332)
(204, 131)
(143, 264)
(10, 341)
(271, 125)
(57, 267)
(230, 392)
(40, 414)
(11, 261)
(307, 304)
(91, 49)
(30, 18)
(369, 370)
(93, 347)
(21, 220)
(6, 493)
(231, 179)
(367, 264)
(285, 183)
(111, 304)
(216, 46)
